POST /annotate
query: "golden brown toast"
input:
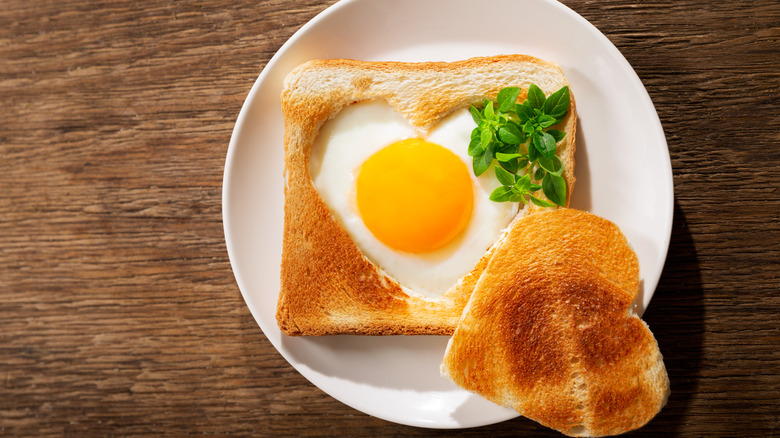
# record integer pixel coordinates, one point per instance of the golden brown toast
(549, 329)
(328, 286)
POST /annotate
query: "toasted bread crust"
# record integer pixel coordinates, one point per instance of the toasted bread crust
(327, 285)
(550, 332)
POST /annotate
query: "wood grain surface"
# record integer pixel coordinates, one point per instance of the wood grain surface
(119, 313)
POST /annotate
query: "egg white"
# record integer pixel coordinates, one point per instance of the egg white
(362, 129)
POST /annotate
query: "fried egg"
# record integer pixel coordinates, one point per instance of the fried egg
(408, 199)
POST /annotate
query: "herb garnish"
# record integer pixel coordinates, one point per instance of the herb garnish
(519, 138)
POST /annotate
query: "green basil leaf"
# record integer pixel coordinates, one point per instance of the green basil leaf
(506, 157)
(557, 135)
(482, 162)
(534, 188)
(477, 164)
(541, 202)
(475, 145)
(507, 97)
(546, 121)
(528, 128)
(554, 165)
(482, 126)
(545, 143)
(504, 177)
(503, 148)
(501, 194)
(476, 131)
(510, 133)
(550, 145)
(535, 97)
(489, 111)
(557, 105)
(486, 136)
(475, 114)
(554, 187)
(540, 172)
(524, 112)
(523, 162)
(523, 183)
(533, 153)
(511, 166)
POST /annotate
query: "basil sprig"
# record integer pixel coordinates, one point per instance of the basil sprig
(518, 137)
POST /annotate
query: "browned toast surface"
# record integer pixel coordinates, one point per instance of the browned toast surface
(549, 329)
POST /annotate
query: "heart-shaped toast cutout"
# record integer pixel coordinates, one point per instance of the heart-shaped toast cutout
(549, 329)
(355, 144)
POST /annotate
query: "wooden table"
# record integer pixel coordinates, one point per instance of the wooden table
(119, 313)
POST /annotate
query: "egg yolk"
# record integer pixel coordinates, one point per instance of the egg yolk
(414, 196)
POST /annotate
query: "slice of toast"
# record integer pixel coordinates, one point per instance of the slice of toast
(549, 329)
(328, 286)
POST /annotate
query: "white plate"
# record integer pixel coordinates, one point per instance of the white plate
(623, 174)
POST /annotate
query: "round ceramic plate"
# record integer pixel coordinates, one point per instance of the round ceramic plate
(623, 174)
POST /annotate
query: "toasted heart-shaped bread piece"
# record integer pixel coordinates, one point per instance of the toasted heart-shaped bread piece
(549, 329)
(328, 285)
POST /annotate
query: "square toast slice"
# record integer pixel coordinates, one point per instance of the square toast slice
(328, 286)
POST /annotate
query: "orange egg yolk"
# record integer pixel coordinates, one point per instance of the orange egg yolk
(414, 196)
